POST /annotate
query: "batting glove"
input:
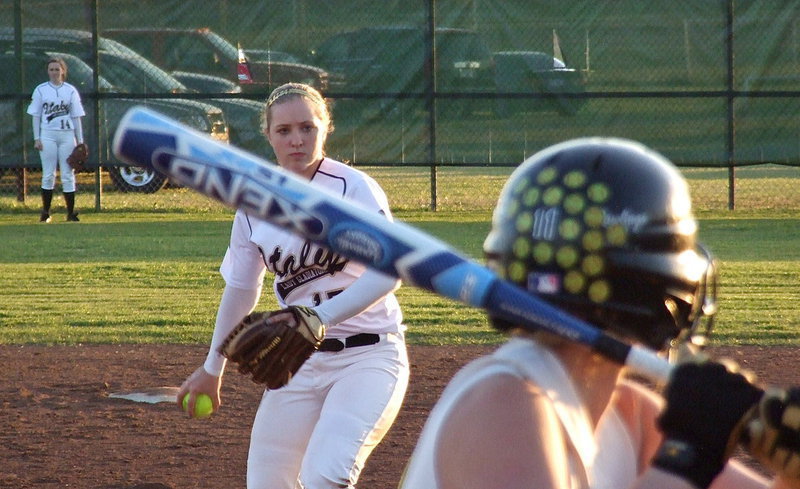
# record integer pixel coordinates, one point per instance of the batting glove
(706, 408)
(773, 434)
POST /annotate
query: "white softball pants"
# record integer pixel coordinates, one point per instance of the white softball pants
(56, 146)
(318, 431)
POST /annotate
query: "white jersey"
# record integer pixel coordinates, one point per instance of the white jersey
(612, 467)
(305, 273)
(56, 105)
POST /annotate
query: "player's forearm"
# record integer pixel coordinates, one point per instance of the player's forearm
(368, 289)
(76, 123)
(37, 127)
(233, 307)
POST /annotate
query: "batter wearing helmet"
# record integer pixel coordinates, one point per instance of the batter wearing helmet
(318, 430)
(57, 111)
(603, 229)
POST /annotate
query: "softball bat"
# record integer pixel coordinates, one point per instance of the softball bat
(244, 181)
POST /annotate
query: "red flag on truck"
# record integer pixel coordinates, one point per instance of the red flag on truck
(244, 68)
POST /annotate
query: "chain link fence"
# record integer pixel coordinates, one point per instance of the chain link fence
(439, 100)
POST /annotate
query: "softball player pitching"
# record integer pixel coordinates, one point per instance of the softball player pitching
(57, 111)
(318, 430)
(603, 229)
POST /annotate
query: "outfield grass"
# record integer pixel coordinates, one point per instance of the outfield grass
(457, 188)
(150, 275)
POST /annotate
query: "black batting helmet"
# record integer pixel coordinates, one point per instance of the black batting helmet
(603, 228)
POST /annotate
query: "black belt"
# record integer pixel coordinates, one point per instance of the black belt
(363, 339)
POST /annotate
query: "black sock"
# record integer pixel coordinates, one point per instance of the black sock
(69, 198)
(47, 199)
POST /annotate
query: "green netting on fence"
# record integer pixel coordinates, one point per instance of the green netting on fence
(445, 82)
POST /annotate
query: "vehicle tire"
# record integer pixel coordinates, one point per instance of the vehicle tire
(136, 179)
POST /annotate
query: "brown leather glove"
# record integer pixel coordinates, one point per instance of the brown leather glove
(77, 159)
(273, 346)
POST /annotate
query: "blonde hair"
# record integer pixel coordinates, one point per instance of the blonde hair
(291, 91)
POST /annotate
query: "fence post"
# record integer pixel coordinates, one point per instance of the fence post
(731, 136)
(21, 181)
(430, 94)
(98, 178)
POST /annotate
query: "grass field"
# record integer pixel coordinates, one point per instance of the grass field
(144, 270)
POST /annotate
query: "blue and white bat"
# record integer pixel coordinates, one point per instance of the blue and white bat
(244, 181)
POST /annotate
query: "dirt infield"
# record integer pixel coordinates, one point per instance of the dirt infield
(59, 428)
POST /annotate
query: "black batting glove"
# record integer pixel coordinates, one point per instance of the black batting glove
(705, 412)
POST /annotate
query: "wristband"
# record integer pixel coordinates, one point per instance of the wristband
(686, 461)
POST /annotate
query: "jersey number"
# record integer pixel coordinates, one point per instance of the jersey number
(317, 298)
(65, 124)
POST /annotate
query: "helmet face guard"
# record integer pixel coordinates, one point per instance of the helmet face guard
(704, 304)
(603, 229)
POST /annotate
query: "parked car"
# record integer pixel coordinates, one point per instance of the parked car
(202, 83)
(130, 73)
(537, 72)
(244, 123)
(138, 75)
(204, 51)
(271, 55)
(392, 60)
(124, 77)
(242, 115)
